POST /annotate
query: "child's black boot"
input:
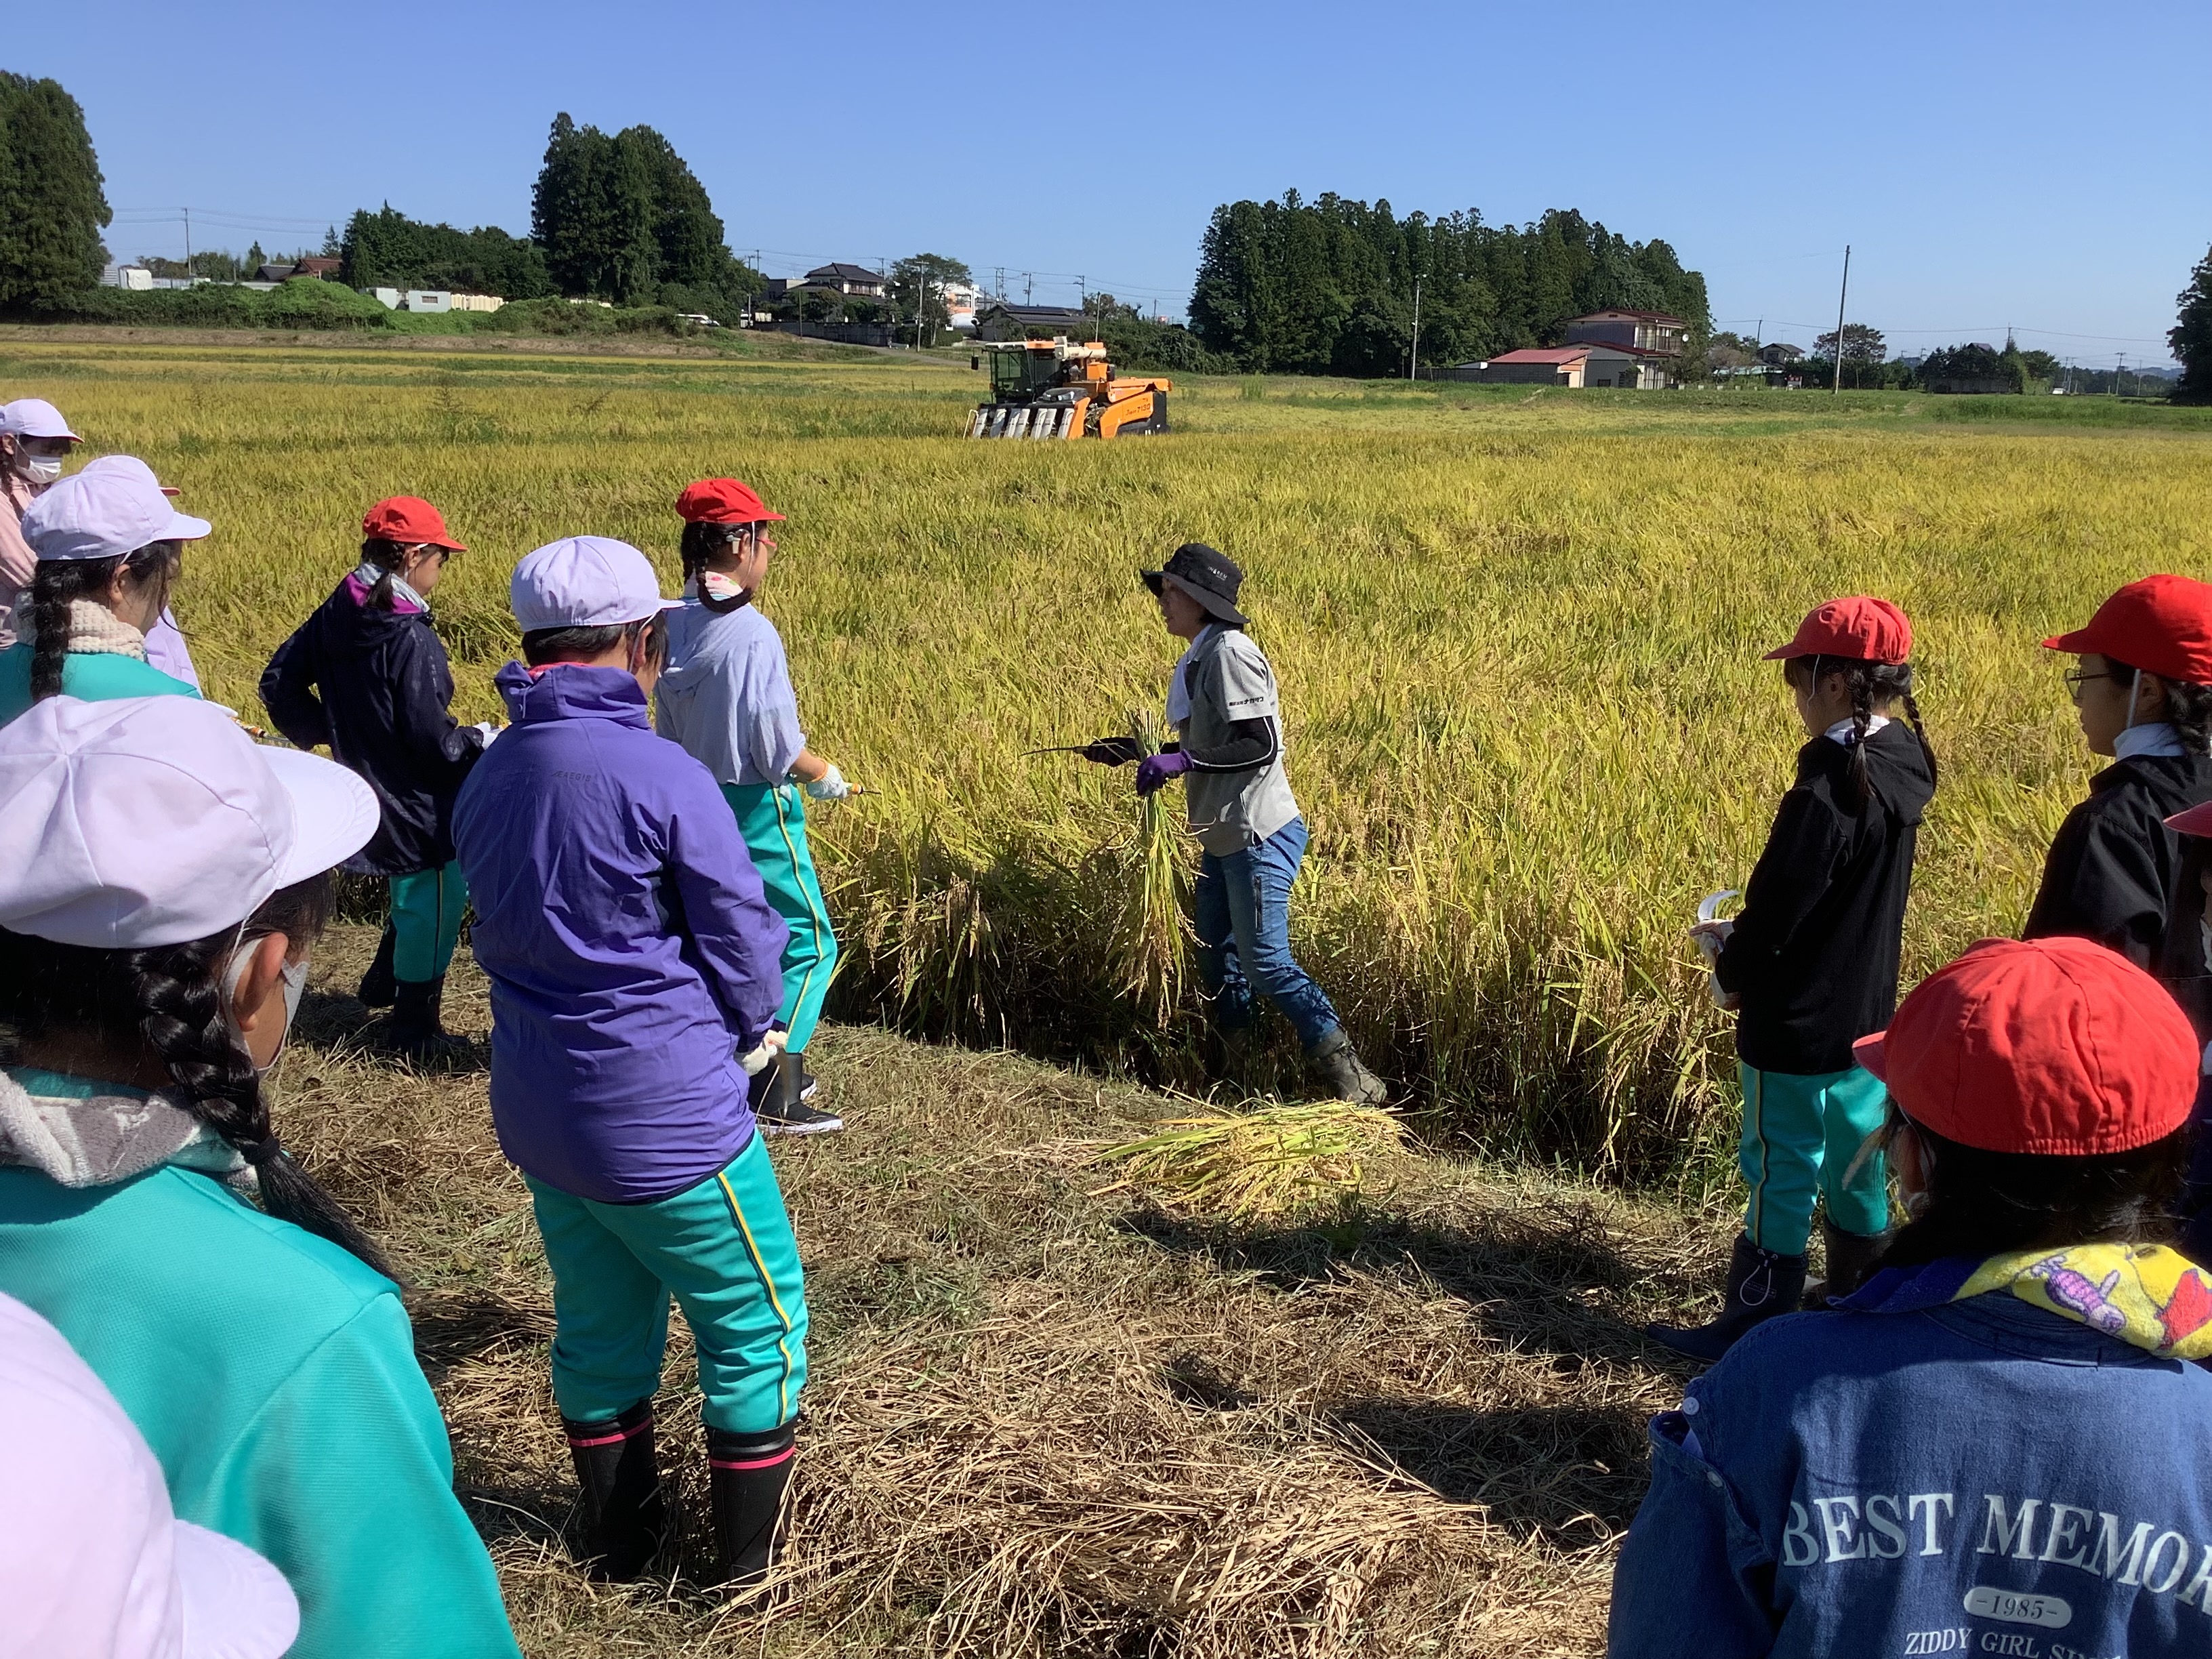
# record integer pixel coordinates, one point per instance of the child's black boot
(625, 1517)
(747, 1475)
(415, 1031)
(1851, 1257)
(1761, 1285)
(782, 1106)
(377, 986)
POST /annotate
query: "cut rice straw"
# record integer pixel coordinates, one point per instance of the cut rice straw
(1279, 1161)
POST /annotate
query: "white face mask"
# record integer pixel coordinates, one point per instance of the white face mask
(294, 976)
(40, 468)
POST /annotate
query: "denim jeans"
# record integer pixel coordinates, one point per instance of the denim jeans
(1243, 923)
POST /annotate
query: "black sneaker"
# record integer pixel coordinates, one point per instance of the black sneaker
(797, 1119)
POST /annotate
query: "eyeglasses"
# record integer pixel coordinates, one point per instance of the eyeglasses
(2078, 677)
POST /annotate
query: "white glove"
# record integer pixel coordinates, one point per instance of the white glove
(830, 786)
(490, 730)
(764, 1056)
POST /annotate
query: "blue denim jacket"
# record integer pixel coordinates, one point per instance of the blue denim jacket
(1908, 1474)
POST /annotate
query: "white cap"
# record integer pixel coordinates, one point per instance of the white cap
(103, 512)
(128, 466)
(34, 417)
(156, 820)
(93, 1560)
(583, 582)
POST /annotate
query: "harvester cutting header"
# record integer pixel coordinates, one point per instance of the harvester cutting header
(1050, 389)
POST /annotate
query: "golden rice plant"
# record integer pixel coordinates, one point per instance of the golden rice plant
(1273, 1162)
(1152, 937)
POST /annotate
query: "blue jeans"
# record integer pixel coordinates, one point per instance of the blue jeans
(1243, 918)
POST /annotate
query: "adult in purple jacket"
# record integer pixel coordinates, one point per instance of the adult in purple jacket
(635, 970)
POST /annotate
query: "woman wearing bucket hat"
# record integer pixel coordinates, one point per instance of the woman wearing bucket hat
(1811, 965)
(34, 441)
(1223, 704)
(1999, 1443)
(2143, 690)
(108, 545)
(162, 880)
(726, 698)
(366, 675)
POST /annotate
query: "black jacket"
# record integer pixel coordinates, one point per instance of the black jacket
(384, 686)
(2111, 873)
(1814, 953)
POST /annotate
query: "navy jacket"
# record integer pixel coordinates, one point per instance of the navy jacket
(631, 950)
(1814, 953)
(374, 686)
(2109, 875)
(1909, 1474)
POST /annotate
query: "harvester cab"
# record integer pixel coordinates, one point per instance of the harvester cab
(1051, 389)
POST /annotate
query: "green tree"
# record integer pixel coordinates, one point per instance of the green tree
(917, 290)
(2190, 337)
(1863, 351)
(52, 201)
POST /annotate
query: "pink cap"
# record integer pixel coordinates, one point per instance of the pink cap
(34, 417)
(584, 581)
(93, 1560)
(152, 821)
(103, 512)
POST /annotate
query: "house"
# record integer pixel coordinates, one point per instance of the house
(858, 281)
(1589, 364)
(1001, 321)
(961, 301)
(1643, 331)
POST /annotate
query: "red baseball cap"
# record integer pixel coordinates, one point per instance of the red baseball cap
(2058, 1047)
(2195, 821)
(721, 501)
(1861, 628)
(408, 518)
(2162, 624)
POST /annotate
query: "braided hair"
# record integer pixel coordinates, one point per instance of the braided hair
(2187, 705)
(167, 999)
(1872, 685)
(58, 584)
(700, 543)
(387, 556)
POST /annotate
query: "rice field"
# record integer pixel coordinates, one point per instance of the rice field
(1518, 635)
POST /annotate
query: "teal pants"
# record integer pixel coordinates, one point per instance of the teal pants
(724, 1250)
(1802, 1135)
(773, 820)
(426, 922)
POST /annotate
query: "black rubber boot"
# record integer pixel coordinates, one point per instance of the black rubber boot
(747, 1476)
(414, 1031)
(1338, 1065)
(378, 988)
(1761, 1285)
(625, 1517)
(782, 1107)
(1851, 1257)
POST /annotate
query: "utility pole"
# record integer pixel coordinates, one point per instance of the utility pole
(1029, 286)
(1842, 294)
(188, 247)
(2118, 373)
(998, 292)
(1413, 368)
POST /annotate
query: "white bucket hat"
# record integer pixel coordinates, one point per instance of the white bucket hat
(584, 581)
(103, 512)
(92, 1561)
(34, 417)
(131, 466)
(149, 821)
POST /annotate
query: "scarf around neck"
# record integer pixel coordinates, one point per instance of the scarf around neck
(2147, 1296)
(79, 1132)
(94, 629)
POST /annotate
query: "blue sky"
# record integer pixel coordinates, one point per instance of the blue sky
(2038, 164)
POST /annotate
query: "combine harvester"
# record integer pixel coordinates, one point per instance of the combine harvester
(1050, 389)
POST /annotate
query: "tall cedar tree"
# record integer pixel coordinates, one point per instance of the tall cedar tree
(1326, 286)
(623, 218)
(2191, 337)
(52, 204)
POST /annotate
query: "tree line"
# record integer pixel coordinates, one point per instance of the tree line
(53, 204)
(1329, 287)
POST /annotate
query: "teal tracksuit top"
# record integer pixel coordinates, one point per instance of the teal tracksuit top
(275, 1377)
(94, 675)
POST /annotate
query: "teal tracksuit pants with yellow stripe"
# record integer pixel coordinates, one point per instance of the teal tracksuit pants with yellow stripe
(724, 1250)
(1802, 1136)
(773, 820)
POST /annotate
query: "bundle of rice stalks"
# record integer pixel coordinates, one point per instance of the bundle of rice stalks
(1150, 937)
(1277, 1162)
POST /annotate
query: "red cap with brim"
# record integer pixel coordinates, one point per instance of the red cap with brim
(2161, 624)
(2197, 821)
(411, 519)
(2056, 1046)
(1859, 628)
(721, 501)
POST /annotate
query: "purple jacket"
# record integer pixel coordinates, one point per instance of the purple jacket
(630, 950)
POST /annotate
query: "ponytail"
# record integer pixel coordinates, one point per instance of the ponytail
(700, 542)
(385, 557)
(169, 997)
(56, 586)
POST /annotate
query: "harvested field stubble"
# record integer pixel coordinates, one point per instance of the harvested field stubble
(1518, 636)
(1043, 1421)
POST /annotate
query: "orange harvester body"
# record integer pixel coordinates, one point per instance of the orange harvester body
(1049, 389)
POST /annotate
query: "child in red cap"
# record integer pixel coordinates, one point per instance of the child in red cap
(368, 676)
(1810, 966)
(1998, 1444)
(2185, 968)
(2143, 687)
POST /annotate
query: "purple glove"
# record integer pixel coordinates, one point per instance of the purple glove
(1154, 771)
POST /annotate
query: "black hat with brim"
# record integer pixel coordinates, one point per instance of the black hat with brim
(1212, 578)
